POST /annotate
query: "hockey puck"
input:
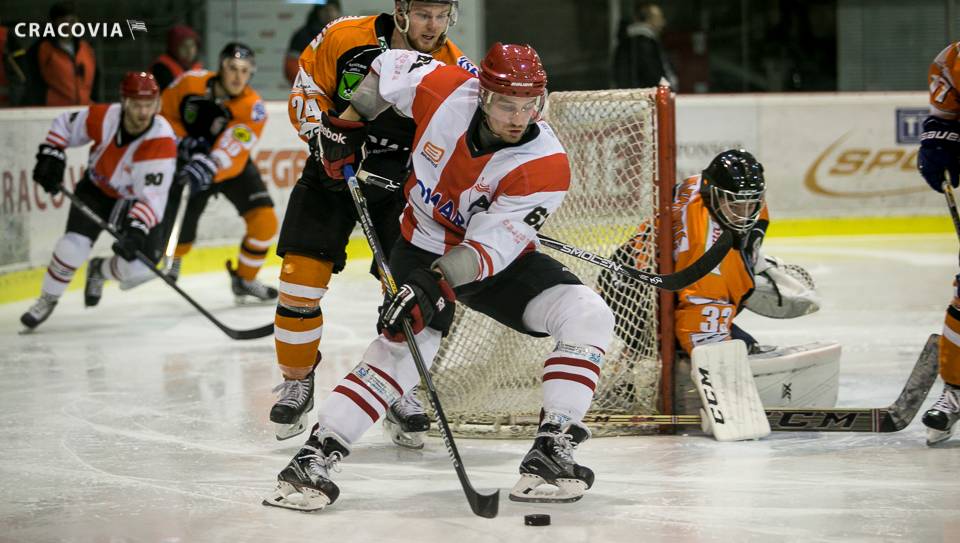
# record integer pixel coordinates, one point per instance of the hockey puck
(536, 520)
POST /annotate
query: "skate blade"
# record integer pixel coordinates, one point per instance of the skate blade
(935, 437)
(287, 496)
(286, 431)
(407, 440)
(534, 489)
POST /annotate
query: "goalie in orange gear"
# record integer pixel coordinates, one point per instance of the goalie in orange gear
(219, 118)
(939, 161)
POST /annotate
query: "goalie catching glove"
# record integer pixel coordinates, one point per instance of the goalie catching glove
(335, 143)
(424, 296)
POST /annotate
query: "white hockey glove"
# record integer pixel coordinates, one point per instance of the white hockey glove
(782, 291)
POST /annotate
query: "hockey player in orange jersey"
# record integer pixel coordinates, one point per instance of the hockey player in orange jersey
(487, 174)
(129, 174)
(320, 214)
(939, 162)
(219, 119)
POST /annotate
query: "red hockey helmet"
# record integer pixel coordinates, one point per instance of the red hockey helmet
(513, 70)
(139, 85)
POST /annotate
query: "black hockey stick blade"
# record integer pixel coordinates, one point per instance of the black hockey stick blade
(675, 281)
(255, 333)
(483, 505)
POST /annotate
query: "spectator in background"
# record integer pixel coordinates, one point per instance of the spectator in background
(12, 77)
(639, 59)
(183, 46)
(319, 17)
(61, 71)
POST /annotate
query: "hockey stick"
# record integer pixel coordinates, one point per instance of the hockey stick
(952, 206)
(893, 418)
(255, 333)
(674, 281)
(484, 505)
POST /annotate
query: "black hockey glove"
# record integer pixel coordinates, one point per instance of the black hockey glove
(939, 152)
(198, 173)
(190, 146)
(335, 143)
(132, 238)
(51, 162)
(421, 298)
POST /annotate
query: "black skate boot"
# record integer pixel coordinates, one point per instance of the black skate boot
(550, 462)
(305, 483)
(39, 311)
(291, 411)
(243, 289)
(406, 421)
(93, 290)
(942, 416)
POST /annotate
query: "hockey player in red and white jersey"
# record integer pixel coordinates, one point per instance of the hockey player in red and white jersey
(487, 174)
(128, 176)
(939, 156)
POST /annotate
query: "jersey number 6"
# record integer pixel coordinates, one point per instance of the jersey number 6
(536, 217)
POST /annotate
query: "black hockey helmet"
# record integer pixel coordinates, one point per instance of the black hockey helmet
(238, 50)
(733, 189)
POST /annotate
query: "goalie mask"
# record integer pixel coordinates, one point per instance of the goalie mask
(404, 12)
(513, 89)
(733, 187)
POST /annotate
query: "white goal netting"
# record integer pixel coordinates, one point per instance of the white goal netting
(488, 376)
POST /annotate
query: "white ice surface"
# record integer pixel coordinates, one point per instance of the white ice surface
(139, 421)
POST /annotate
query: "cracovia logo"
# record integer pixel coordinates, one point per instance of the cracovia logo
(79, 30)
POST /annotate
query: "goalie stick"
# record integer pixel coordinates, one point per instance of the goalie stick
(674, 281)
(484, 505)
(255, 333)
(892, 418)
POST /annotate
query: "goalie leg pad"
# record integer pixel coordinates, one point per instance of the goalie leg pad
(731, 406)
(801, 375)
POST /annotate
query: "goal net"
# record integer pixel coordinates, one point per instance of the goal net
(620, 145)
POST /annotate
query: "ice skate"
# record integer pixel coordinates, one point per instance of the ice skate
(942, 416)
(305, 483)
(548, 473)
(243, 289)
(406, 422)
(291, 411)
(93, 290)
(39, 311)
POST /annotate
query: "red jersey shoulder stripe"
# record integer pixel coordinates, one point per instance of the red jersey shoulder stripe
(155, 148)
(435, 87)
(548, 174)
(95, 118)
